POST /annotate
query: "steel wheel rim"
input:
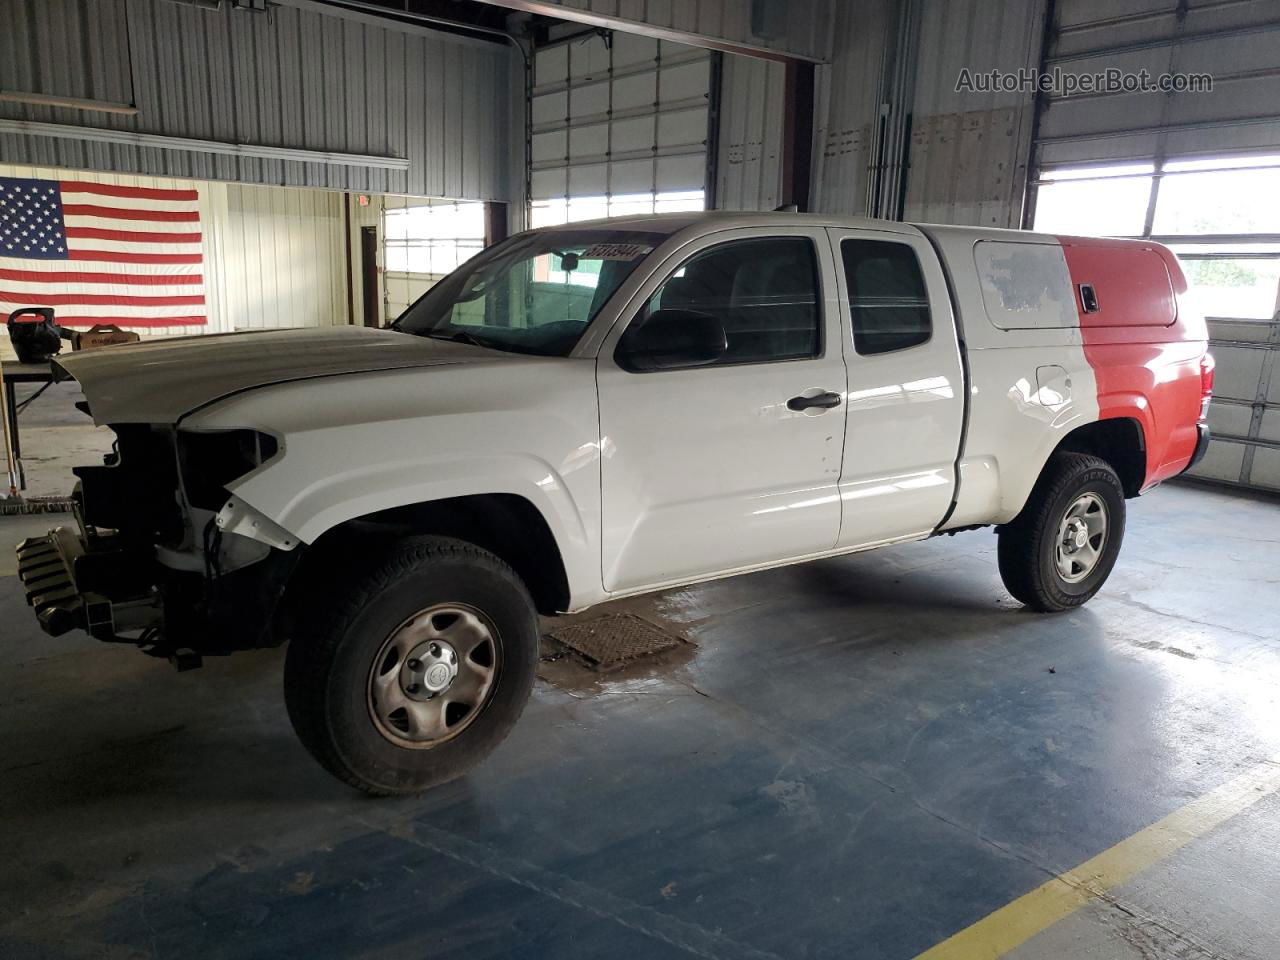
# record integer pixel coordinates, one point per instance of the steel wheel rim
(433, 675)
(1082, 538)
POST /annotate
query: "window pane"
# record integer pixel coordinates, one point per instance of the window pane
(887, 297)
(630, 204)
(533, 293)
(1097, 172)
(764, 292)
(1228, 201)
(548, 213)
(588, 208)
(680, 202)
(1243, 289)
(1094, 208)
(397, 257)
(1220, 163)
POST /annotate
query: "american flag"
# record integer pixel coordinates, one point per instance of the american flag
(101, 253)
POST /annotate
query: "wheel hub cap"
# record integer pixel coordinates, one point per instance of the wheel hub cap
(433, 675)
(1082, 537)
(429, 670)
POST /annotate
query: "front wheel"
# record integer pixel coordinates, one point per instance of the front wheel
(407, 676)
(1060, 549)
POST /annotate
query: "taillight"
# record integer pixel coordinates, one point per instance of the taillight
(1207, 366)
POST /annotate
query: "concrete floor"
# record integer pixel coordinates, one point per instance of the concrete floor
(860, 758)
(55, 437)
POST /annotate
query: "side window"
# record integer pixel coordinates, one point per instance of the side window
(763, 292)
(887, 297)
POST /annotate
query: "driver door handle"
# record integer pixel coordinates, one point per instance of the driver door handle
(825, 400)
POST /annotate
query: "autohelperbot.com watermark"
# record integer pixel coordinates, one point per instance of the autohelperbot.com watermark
(1065, 83)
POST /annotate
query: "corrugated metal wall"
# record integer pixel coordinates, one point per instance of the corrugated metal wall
(285, 77)
(890, 88)
(969, 150)
(1238, 42)
(749, 159)
(847, 107)
(797, 28)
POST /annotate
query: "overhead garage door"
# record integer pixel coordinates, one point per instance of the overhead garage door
(619, 126)
(1198, 169)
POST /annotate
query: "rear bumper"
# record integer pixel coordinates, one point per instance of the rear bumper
(1202, 445)
(47, 568)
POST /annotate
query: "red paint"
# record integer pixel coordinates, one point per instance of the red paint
(112, 256)
(1143, 343)
(124, 321)
(98, 299)
(125, 213)
(80, 276)
(137, 193)
(134, 236)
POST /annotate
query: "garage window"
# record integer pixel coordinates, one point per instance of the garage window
(425, 239)
(547, 213)
(619, 128)
(1218, 214)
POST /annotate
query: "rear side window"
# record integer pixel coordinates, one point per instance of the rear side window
(887, 297)
(763, 291)
(1025, 286)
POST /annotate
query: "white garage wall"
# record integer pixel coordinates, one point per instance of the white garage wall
(283, 260)
(752, 111)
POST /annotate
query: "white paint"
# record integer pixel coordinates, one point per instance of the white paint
(1011, 433)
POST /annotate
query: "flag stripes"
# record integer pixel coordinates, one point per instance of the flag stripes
(102, 253)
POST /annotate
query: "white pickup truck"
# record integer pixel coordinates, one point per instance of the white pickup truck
(603, 409)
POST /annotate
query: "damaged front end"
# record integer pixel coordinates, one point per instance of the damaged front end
(162, 556)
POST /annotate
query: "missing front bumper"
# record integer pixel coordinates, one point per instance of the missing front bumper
(47, 568)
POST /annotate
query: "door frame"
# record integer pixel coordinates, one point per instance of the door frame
(371, 308)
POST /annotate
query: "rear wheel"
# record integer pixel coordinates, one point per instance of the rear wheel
(407, 676)
(1060, 549)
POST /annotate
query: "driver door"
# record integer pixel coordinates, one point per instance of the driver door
(729, 464)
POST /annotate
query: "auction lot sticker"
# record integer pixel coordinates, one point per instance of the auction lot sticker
(615, 251)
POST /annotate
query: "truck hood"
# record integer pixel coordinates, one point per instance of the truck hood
(161, 381)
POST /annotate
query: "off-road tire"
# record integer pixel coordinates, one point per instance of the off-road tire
(344, 621)
(1027, 544)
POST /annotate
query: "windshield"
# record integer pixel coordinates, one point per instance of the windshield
(535, 293)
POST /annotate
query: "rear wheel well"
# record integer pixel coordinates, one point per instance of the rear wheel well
(506, 525)
(1120, 442)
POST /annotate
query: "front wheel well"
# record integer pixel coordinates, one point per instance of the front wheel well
(1120, 442)
(506, 525)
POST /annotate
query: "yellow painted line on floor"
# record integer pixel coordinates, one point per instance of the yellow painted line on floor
(1013, 925)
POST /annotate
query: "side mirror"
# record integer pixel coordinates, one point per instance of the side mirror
(667, 339)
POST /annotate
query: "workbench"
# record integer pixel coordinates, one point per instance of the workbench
(14, 374)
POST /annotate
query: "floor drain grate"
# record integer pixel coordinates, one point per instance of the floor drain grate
(615, 640)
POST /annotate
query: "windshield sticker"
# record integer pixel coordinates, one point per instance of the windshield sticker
(614, 251)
